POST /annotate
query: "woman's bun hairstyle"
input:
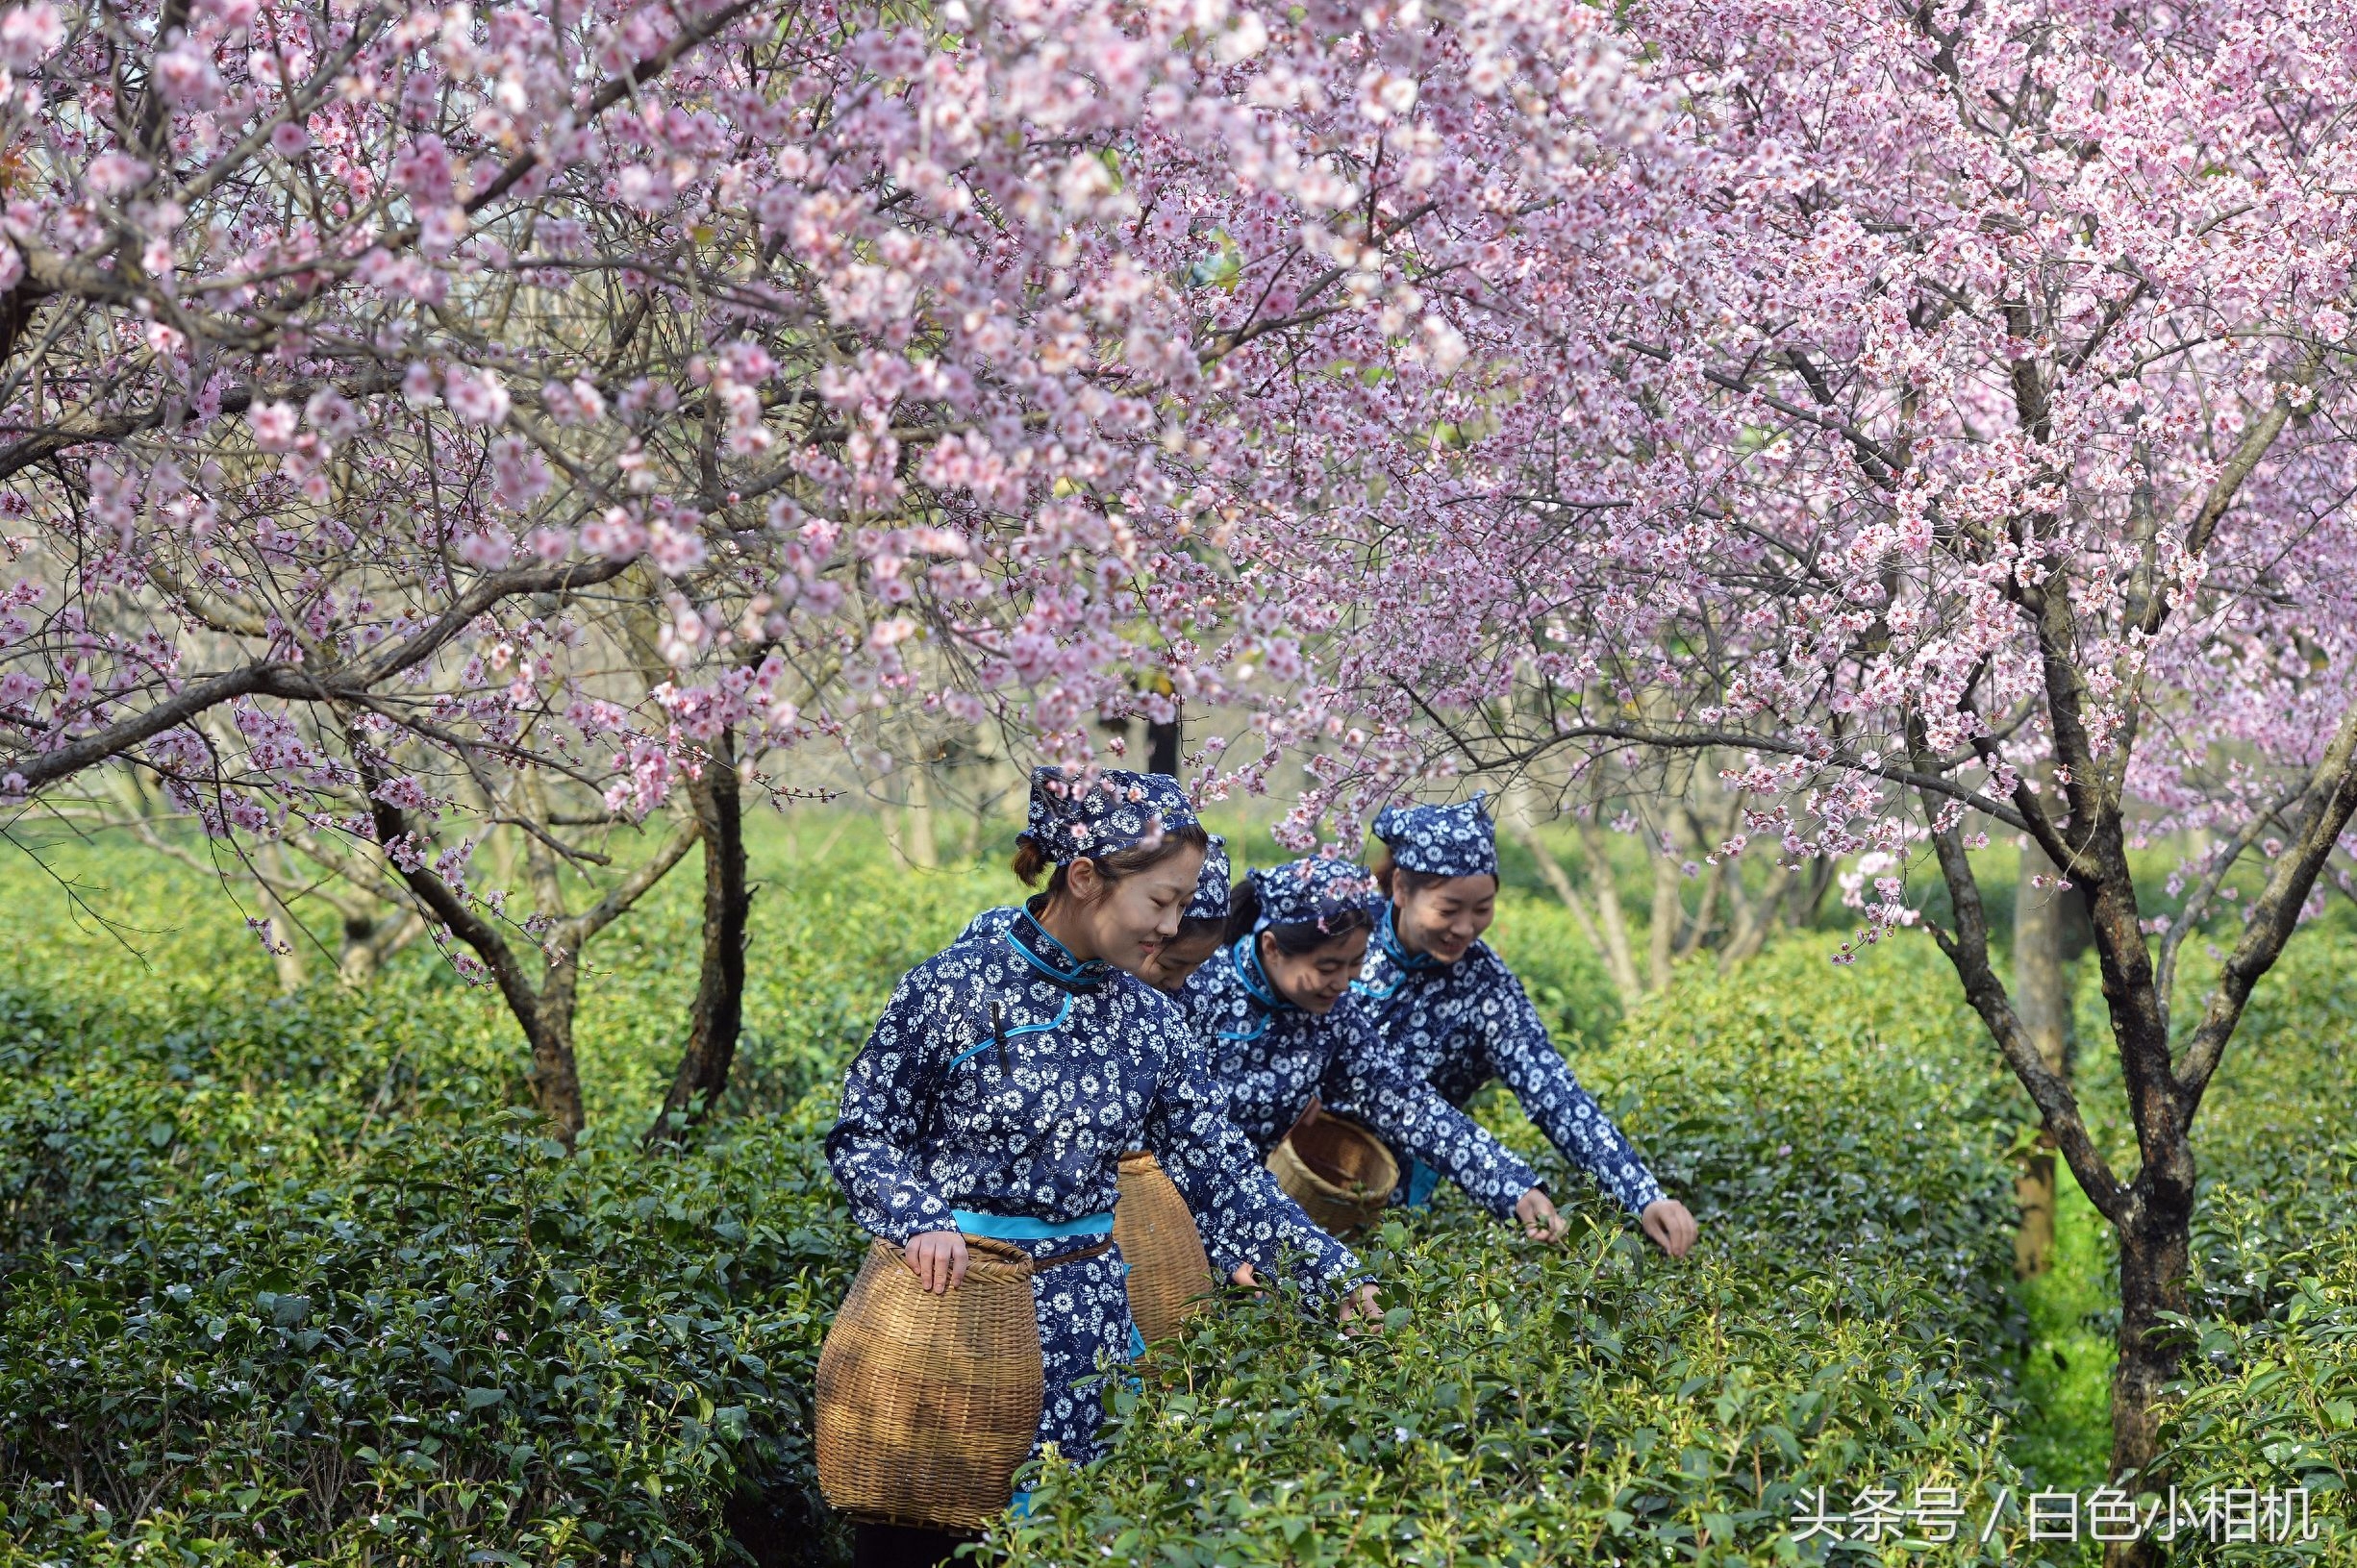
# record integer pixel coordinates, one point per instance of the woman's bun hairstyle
(1243, 908)
(1031, 862)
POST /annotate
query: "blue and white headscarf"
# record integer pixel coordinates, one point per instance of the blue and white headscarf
(1115, 811)
(1211, 900)
(1440, 841)
(1321, 892)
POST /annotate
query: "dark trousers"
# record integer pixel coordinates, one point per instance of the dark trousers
(903, 1545)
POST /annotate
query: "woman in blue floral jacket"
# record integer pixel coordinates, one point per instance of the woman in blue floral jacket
(1276, 1016)
(1458, 1018)
(1011, 1071)
(1200, 933)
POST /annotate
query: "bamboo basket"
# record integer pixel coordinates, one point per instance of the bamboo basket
(1341, 1174)
(927, 1404)
(1169, 1274)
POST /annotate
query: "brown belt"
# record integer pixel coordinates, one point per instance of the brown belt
(992, 1247)
(1074, 1256)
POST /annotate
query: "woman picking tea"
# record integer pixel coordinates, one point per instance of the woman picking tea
(1201, 930)
(1276, 1017)
(1455, 1014)
(1011, 1071)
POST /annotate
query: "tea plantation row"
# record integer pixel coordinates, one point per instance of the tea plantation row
(292, 1282)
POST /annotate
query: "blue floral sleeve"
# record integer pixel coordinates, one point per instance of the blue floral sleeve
(890, 1085)
(1367, 1081)
(1526, 1059)
(1244, 1216)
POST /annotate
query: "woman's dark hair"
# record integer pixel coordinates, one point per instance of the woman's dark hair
(1031, 863)
(1303, 936)
(1195, 927)
(1397, 881)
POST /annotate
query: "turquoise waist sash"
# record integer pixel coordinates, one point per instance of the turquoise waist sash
(1022, 1227)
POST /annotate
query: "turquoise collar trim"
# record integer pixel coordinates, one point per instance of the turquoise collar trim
(1263, 1000)
(1395, 949)
(1049, 956)
(1245, 955)
(1023, 1228)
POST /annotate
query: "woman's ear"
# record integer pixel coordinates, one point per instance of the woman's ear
(1083, 880)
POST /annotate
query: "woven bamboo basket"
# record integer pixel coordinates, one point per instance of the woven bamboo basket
(927, 1404)
(1169, 1274)
(1338, 1172)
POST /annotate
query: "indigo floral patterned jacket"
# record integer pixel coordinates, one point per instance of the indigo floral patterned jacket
(1271, 1057)
(939, 1113)
(1457, 1026)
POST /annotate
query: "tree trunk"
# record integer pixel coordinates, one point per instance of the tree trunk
(909, 824)
(1163, 743)
(368, 941)
(1669, 914)
(2042, 1001)
(717, 1015)
(1619, 956)
(555, 1077)
(1808, 897)
(358, 961)
(1568, 895)
(286, 933)
(2155, 1257)
(1758, 916)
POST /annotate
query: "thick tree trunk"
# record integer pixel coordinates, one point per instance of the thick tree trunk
(548, 1024)
(1162, 747)
(2155, 1257)
(2042, 1001)
(717, 1016)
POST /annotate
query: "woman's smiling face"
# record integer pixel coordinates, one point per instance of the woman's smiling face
(1128, 921)
(1314, 981)
(1443, 919)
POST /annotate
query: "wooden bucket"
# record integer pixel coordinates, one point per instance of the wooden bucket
(1169, 1273)
(1341, 1174)
(927, 1404)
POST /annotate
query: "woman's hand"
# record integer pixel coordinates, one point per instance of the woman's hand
(1362, 1312)
(1539, 1221)
(937, 1258)
(1671, 1228)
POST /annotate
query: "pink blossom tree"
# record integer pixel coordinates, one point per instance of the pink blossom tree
(1945, 420)
(408, 413)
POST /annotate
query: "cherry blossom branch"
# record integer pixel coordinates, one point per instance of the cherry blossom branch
(1915, 778)
(2328, 801)
(1968, 948)
(89, 429)
(271, 678)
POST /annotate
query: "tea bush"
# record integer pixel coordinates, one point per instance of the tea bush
(468, 1348)
(1844, 1324)
(293, 1281)
(2269, 1403)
